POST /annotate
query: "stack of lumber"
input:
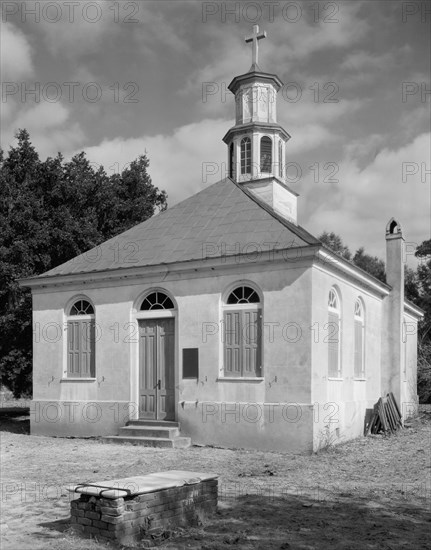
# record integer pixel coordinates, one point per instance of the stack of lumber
(386, 417)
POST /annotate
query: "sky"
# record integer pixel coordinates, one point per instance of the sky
(118, 79)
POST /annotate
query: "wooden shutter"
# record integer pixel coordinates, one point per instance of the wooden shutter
(251, 348)
(333, 345)
(242, 336)
(81, 349)
(232, 343)
(266, 154)
(73, 348)
(359, 358)
(87, 349)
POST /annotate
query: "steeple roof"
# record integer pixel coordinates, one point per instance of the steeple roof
(220, 220)
(255, 73)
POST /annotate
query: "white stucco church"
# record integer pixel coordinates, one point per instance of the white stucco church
(221, 320)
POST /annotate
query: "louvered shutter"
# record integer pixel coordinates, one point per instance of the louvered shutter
(333, 345)
(81, 349)
(87, 349)
(359, 371)
(232, 343)
(251, 337)
(73, 348)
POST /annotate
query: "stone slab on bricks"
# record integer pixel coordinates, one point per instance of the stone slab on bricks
(138, 485)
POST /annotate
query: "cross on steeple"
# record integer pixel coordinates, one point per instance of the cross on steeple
(255, 37)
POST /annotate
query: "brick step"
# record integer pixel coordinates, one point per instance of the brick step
(175, 443)
(149, 431)
(142, 422)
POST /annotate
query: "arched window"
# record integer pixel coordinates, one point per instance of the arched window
(81, 339)
(157, 300)
(266, 154)
(231, 160)
(243, 295)
(82, 307)
(245, 155)
(359, 323)
(242, 333)
(393, 227)
(333, 337)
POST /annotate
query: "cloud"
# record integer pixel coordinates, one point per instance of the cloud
(16, 54)
(79, 30)
(360, 205)
(49, 127)
(360, 60)
(42, 116)
(183, 163)
(160, 29)
(288, 43)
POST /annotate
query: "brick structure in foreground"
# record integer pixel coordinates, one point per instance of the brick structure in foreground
(136, 516)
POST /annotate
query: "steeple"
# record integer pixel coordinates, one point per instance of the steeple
(256, 143)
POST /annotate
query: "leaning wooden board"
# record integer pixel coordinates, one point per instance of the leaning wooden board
(386, 416)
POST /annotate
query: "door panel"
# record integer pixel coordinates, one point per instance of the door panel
(156, 369)
(147, 369)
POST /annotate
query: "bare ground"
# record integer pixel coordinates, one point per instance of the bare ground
(371, 493)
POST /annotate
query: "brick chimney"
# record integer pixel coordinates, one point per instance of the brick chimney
(393, 310)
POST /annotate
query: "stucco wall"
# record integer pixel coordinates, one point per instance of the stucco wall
(199, 297)
(409, 397)
(341, 404)
(295, 358)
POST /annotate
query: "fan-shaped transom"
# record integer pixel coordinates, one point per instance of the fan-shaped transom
(333, 299)
(157, 300)
(358, 309)
(82, 307)
(243, 295)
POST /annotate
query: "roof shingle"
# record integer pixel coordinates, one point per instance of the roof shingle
(222, 219)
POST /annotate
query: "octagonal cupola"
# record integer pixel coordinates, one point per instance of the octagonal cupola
(257, 143)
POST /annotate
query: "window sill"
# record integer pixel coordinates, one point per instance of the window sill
(239, 379)
(336, 379)
(360, 379)
(78, 380)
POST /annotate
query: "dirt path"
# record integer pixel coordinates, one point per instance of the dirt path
(372, 493)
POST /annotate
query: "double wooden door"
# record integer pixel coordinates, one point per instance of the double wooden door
(157, 369)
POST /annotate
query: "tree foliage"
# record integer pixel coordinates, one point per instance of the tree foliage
(423, 275)
(335, 243)
(371, 264)
(51, 211)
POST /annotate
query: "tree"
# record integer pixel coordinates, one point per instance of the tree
(371, 264)
(51, 211)
(411, 285)
(423, 252)
(335, 243)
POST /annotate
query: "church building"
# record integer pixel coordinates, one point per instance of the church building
(221, 320)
